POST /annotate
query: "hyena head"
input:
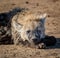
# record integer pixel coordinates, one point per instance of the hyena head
(31, 27)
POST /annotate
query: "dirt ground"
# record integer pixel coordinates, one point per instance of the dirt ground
(52, 8)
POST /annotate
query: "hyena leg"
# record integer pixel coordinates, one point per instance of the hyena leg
(15, 37)
(16, 41)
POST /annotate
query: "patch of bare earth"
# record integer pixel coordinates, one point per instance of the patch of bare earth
(52, 8)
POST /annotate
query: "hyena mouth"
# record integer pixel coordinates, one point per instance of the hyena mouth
(36, 41)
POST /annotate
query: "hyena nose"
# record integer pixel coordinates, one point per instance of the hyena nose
(35, 41)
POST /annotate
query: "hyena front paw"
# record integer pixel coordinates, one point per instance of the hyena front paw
(41, 46)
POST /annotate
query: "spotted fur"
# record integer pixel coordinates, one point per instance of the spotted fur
(28, 26)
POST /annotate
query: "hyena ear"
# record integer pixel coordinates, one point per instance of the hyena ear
(15, 23)
(43, 17)
(18, 26)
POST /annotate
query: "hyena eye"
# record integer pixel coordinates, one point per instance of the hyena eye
(28, 31)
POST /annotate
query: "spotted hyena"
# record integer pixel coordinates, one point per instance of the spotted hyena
(28, 27)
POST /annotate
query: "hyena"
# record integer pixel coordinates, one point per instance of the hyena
(28, 27)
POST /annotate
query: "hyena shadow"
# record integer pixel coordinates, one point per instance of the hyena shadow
(5, 25)
(52, 42)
